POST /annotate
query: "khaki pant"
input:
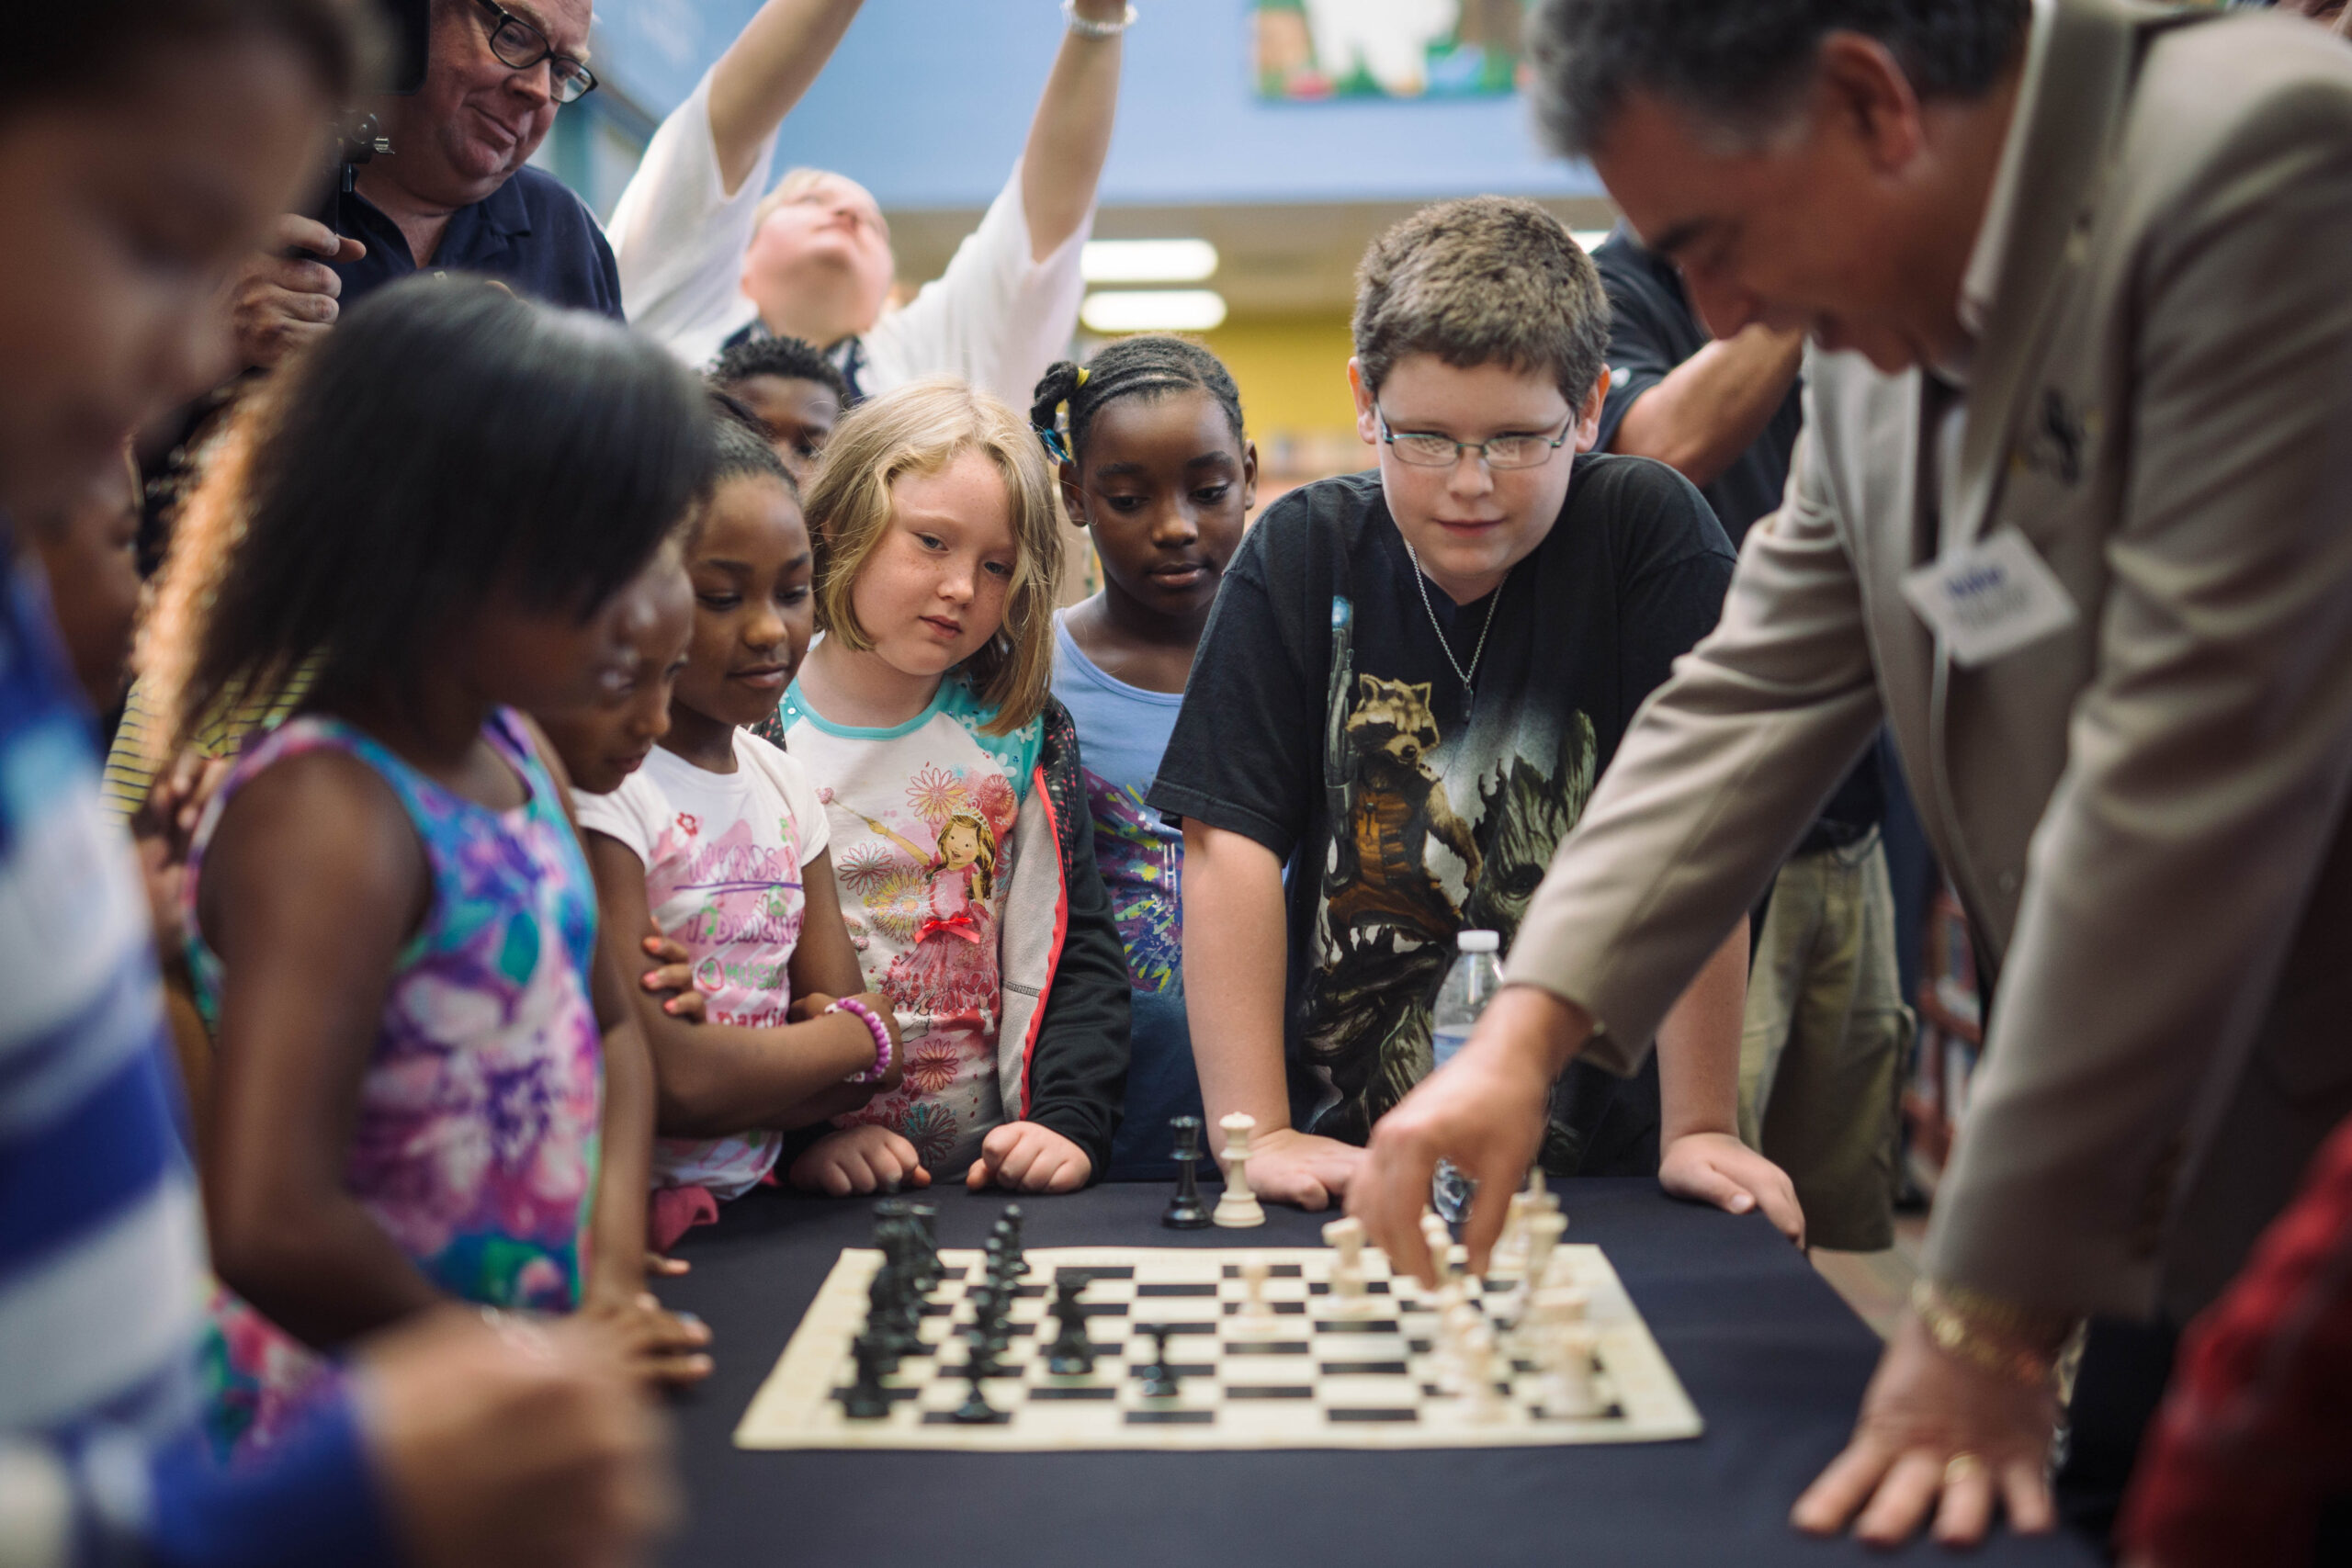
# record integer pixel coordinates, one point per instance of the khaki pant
(1824, 1040)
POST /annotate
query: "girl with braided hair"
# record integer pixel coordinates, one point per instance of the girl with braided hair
(1156, 466)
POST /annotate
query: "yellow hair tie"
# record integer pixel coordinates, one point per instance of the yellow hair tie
(1082, 374)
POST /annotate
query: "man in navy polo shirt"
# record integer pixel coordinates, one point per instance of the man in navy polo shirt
(456, 194)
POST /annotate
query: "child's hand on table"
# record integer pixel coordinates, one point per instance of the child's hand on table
(674, 974)
(858, 1160)
(1023, 1156)
(655, 1344)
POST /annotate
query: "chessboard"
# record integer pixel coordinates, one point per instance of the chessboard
(1262, 1354)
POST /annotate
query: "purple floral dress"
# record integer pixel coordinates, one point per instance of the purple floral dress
(476, 1142)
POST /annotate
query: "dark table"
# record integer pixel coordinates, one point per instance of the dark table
(1773, 1358)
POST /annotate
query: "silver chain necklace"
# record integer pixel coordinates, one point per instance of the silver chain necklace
(1420, 580)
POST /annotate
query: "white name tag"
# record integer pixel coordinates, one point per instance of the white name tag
(1987, 601)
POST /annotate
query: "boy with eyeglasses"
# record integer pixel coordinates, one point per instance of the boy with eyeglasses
(1410, 680)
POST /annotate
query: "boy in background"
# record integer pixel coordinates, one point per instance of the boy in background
(1408, 685)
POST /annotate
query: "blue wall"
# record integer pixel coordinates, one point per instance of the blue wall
(927, 102)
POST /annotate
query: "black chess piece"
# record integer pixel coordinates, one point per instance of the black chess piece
(1185, 1211)
(866, 1399)
(923, 1220)
(980, 1352)
(1009, 1223)
(976, 1410)
(1159, 1377)
(1071, 1353)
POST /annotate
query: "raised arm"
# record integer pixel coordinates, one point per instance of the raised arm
(764, 72)
(1062, 161)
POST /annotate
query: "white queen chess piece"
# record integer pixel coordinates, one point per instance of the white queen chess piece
(1237, 1208)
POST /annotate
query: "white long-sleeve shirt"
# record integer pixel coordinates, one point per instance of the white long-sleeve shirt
(996, 317)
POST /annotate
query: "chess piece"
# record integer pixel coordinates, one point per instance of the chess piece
(1455, 1319)
(866, 1399)
(1016, 1260)
(1237, 1209)
(1345, 1236)
(1544, 1228)
(1477, 1349)
(1567, 1389)
(1257, 1314)
(1438, 1239)
(980, 1354)
(1071, 1353)
(976, 1410)
(1185, 1211)
(1159, 1380)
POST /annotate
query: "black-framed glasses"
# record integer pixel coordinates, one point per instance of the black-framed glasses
(519, 46)
(1427, 449)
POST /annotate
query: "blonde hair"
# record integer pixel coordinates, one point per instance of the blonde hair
(919, 429)
(984, 847)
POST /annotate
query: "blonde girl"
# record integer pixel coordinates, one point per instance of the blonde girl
(924, 713)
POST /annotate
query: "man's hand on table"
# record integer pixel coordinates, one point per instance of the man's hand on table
(1938, 1435)
(1716, 1168)
(1290, 1166)
(1484, 1112)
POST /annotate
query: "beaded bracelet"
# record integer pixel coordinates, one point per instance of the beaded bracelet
(875, 1027)
(1087, 26)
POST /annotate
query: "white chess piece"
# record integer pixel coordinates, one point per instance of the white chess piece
(1544, 1228)
(1257, 1314)
(1237, 1209)
(1455, 1319)
(1345, 1236)
(1486, 1403)
(1569, 1390)
(1439, 1241)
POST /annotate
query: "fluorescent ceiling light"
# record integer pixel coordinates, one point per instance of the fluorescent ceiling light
(1154, 310)
(1147, 260)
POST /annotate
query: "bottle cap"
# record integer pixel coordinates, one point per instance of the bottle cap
(1478, 941)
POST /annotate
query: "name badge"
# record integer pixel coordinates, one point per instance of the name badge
(1989, 600)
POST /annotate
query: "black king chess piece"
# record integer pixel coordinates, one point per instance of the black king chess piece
(1185, 1211)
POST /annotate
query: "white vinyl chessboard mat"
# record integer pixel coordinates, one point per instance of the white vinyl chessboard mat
(1316, 1379)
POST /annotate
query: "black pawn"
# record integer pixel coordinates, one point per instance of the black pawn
(980, 1356)
(866, 1399)
(1185, 1211)
(1159, 1377)
(976, 1410)
(1071, 1353)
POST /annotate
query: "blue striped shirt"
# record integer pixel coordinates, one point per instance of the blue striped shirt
(102, 1263)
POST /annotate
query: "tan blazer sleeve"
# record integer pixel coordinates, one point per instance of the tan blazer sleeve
(2208, 760)
(1713, 783)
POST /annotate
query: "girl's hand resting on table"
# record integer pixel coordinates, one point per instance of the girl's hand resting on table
(1023, 1156)
(656, 1345)
(857, 1160)
(1716, 1167)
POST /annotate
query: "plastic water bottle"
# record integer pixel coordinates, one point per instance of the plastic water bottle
(1470, 985)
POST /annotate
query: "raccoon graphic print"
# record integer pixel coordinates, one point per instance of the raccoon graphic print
(1325, 719)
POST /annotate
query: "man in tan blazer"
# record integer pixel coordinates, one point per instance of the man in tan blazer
(2075, 275)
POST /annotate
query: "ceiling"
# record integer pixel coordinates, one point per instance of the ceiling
(1274, 259)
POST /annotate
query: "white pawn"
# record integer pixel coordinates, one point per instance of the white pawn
(1257, 1314)
(1568, 1391)
(1454, 1321)
(1237, 1209)
(1486, 1403)
(1346, 1235)
(1439, 1241)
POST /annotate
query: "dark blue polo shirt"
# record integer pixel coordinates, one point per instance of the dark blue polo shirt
(531, 233)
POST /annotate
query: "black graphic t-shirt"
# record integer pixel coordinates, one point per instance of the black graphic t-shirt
(1323, 720)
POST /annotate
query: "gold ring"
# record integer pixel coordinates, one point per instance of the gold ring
(1960, 1466)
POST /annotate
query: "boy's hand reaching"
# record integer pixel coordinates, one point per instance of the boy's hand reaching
(1290, 1166)
(1716, 1167)
(859, 1160)
(1023, 1156)
(674, 974)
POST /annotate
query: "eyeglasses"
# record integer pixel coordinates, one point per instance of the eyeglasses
(1427, 449)
(519, 46)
